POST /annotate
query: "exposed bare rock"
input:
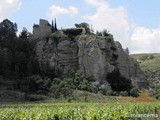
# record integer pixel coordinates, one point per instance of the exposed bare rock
(102, 60)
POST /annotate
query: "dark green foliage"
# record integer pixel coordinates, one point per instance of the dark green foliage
(56, 117)
(52, 27)
(115, 93)
(56, 36)
(7, 33)
(105, 33)
(155, 92)
(61, 87)
(72, 32)
(118, 82)
(55, 26)
(134, 92)
(7, 25)
(123, 93)
(80, 82)
(34, 84)
(98, 33)
(18, 52)
(65, 86)
(103, 90)
(109, 92)
(35, 97)
(24, 35)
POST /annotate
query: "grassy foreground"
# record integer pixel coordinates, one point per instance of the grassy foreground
(80, 111)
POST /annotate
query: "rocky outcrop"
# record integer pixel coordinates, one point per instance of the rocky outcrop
(100, 58)
(60, 59)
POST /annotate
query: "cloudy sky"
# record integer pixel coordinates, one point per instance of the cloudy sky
(135, 23)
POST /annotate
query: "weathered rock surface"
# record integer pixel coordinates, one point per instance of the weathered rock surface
(96, 56)
(57, 59)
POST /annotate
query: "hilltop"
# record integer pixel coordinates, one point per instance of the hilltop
(54, 62)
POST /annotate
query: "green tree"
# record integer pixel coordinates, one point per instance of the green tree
(98, 33)
(24, 35)
(105, 32)
(8, 31)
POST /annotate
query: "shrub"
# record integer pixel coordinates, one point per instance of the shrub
(98, 33)
(105, 32)
(123, 93)
(34, 97)
(115, 93)
(61, 87)
(34, 84)
(65, 86)
(80, 81)
(109, 92)
(155, 92)
(56, 36)
(72, 32)
(103, 89)
(134, 92)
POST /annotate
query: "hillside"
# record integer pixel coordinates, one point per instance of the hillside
(54, 63)
(150, 64)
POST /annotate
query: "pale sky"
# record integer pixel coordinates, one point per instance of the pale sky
(135, 23)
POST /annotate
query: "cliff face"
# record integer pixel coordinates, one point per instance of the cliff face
(60, 59)
(102, 60)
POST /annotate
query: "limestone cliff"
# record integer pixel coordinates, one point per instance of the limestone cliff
(102, 60)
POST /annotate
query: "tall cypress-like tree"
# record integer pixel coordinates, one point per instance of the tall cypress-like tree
(55, 25)
(53, 29)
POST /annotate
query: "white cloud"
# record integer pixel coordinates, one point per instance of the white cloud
(95, 3)
(73, 10)
(137, 39)
(7, 7)
(144, 40)
(55, 11)
(113, 19)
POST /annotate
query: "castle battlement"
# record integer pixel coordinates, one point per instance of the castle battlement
(42, 30)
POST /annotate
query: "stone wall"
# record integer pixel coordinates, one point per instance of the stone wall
(42, 30)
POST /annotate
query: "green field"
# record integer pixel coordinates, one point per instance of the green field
(80, 111)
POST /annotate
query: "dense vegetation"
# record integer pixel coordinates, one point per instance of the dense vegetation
(80, 111)
(150, 64)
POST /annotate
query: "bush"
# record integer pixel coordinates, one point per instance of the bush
(105, 32)
(34, 84)
(34, 97)
(134, 92)
(61, 87)
(56, 36)
(65, 86)
(123, 93)
(109, 92)
(72, 32)
(80, 81)
(115, 93)
(155, 92)
(103, 89)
